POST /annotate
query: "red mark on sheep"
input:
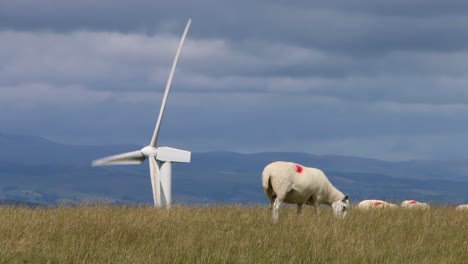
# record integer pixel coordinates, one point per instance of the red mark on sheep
(377, 203)
(412, 202)
(299, 168)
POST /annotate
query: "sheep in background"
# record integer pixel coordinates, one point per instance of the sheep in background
(367, 204)
(414, 204)
(462, 207)
(288, 182)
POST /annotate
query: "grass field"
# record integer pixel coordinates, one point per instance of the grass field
(230, 234)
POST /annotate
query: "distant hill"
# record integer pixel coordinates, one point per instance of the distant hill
(7, 202)
(65, 175)
(30, 150)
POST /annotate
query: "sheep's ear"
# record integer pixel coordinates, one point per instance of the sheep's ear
(345, 198)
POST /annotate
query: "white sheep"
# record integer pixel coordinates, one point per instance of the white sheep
(414, 204)
(462, 207)
(367, 204)
(288, 182)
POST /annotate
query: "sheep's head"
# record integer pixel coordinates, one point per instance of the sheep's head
(341, 207)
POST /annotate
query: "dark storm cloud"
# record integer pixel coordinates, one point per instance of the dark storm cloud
(358, 38)
(370, 78)
(342, 26)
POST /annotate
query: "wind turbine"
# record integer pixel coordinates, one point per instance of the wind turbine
(160, 158)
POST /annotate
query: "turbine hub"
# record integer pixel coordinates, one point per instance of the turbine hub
(149, 151)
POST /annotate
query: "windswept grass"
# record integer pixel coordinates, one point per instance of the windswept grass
(230, 234)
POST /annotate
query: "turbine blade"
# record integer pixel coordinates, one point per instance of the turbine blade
(154, 139)
(155, 181)
(165, 169)
(173, 154)
(133, 157)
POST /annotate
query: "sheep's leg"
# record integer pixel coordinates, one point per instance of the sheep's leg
(316, 206)
(299, 209)
(276, 206)
(270, 197)
(280, 188)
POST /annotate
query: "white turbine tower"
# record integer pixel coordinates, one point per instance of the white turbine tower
(160, 158)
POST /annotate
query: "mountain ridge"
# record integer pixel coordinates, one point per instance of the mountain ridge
(211, 177)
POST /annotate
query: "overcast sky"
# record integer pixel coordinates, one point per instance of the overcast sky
(380, 79)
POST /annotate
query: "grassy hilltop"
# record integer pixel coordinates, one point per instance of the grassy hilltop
(230, 234)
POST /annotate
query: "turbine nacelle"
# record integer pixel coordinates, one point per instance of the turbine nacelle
(167, 154)
(173, 155)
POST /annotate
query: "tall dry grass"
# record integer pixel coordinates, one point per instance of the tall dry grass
(230, 234)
